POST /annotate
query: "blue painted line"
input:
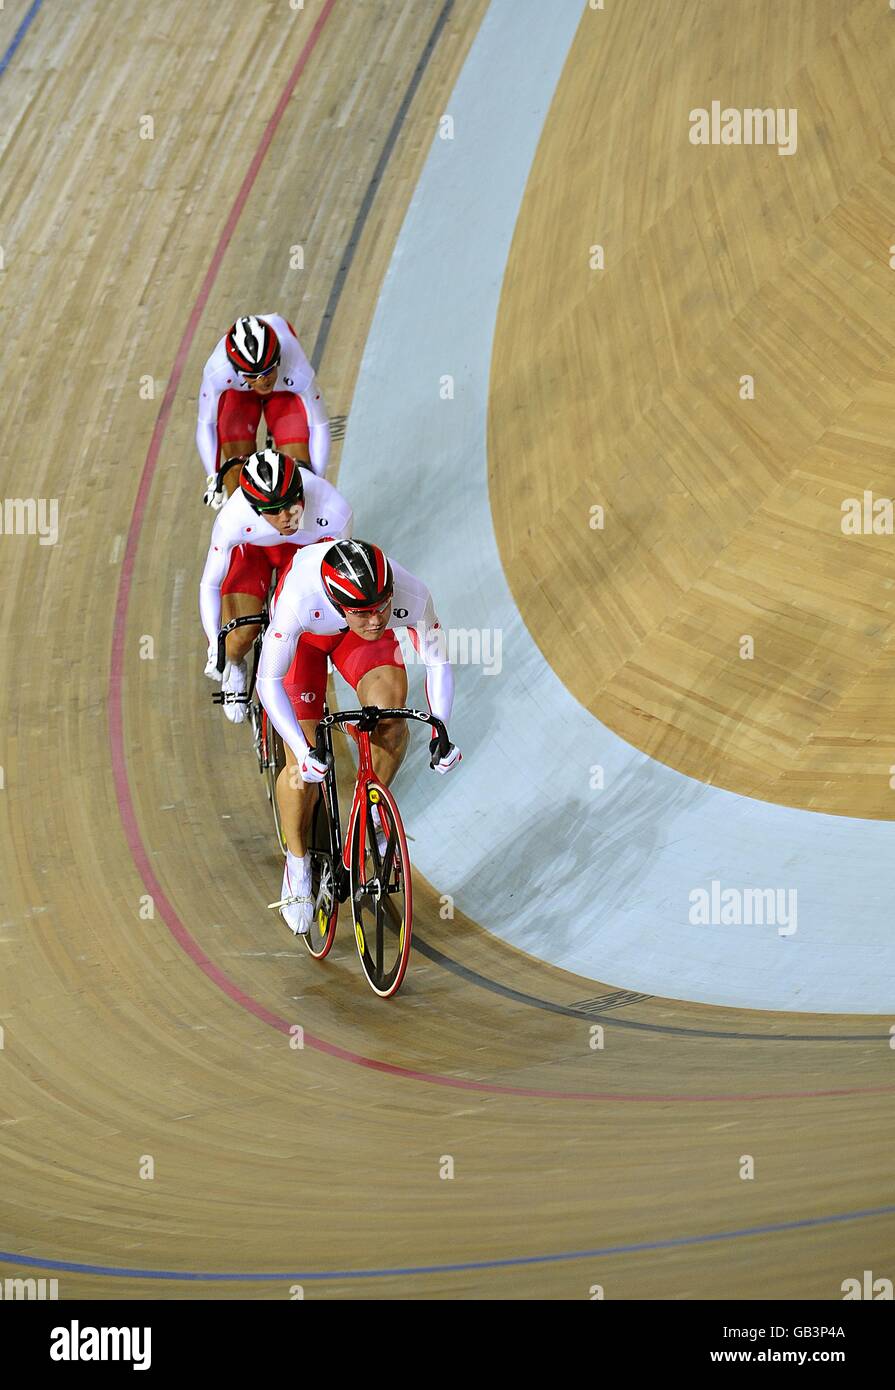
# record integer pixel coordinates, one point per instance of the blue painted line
(71, 1267)
(19, 35)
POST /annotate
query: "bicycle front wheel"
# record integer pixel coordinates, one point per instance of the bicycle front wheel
(381, 890)
(325, 867)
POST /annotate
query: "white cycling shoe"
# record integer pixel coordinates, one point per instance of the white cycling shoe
(296, 906)
(235, 682)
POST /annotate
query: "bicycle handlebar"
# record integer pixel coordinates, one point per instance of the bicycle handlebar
(252, 618)
(367, 719)
(236, 462)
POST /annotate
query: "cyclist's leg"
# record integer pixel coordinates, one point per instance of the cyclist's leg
(386, 686)
(376, 671)
(305, 684)
(243, 592)
(238, 415)
(287, 421)
(296, 798)
(246, 589)
(238, 448)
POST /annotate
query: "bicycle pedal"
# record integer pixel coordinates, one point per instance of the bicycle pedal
(293, 898)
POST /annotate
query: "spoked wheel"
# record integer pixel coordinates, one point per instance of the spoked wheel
(381, 891)
(273, 760)
(324, 887)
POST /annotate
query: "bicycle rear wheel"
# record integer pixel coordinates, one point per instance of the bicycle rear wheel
(381, 891)
(324, 881)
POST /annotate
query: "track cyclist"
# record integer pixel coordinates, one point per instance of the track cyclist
(259, 367)
(342, 600)
(277, 508)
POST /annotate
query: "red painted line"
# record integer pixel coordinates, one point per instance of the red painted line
(116, 673)
(116, 720)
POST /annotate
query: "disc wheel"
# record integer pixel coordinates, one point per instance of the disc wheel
(381, 891)
(324, 888)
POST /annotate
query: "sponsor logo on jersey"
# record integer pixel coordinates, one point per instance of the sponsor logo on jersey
(401, 612)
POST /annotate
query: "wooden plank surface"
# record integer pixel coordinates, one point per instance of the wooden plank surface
(722, 513)
(116, 1045)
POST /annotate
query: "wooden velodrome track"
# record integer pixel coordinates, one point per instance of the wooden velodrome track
(167, 1036)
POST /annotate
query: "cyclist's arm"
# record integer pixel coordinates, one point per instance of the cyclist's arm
(440, 689)
(207, 424)
(340, 522)
(428, 637)
(295, 366)
(216, 565)
(207, 444)
(327, 514)
(318, 422)
(277, 653)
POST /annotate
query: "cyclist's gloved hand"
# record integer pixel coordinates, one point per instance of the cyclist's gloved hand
(450, 759)
(211, 665)
(311, 767)
(213, 498)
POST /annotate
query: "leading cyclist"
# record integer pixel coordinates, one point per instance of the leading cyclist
(342, 600)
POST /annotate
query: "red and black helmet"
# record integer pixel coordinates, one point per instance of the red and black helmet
(252, 346)
(356, 574)
(271, 481)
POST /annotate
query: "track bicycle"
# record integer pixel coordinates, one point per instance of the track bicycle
(375, 880)
(267, 742)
